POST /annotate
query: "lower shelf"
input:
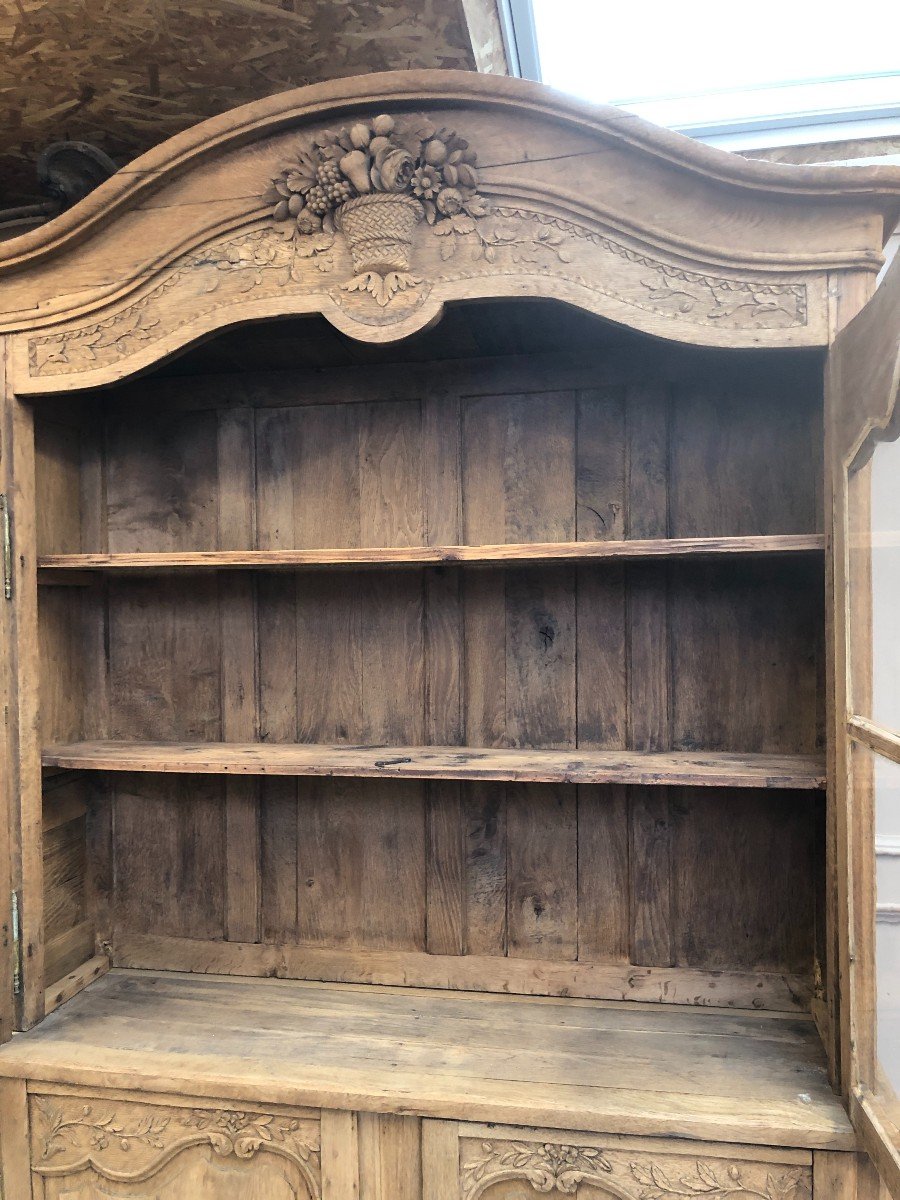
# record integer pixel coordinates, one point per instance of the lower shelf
(674, 768)
(560, 1063)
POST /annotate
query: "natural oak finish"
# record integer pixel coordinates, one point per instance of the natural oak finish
(448, 669)
(220, 560)
(445, 762)
(561, 1063)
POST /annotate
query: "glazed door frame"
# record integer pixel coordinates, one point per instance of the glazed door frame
(21, 842)
(8, 775)
(862, 409)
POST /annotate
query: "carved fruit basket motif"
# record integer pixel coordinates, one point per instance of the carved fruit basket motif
(374, 182)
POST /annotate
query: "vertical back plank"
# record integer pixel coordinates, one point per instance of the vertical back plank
(445, 869)
(445, 887)
(278, 674)
(602, 678)
(486, 868)
(240, 694)
(603, 874)
(360, 848)
(600, 510)
(540, 657)
(542, 903)
(647, 426)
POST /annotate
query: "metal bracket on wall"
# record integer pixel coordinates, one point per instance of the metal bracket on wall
(7, 546)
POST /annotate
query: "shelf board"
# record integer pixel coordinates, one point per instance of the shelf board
(51, 565)
(610, 1068)
(695, 769)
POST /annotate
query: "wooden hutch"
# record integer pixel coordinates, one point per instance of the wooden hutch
(426, 742)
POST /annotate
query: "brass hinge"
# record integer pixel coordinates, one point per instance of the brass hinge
(17, 946)
(7, 547)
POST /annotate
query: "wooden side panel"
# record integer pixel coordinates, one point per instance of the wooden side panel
(68, 927)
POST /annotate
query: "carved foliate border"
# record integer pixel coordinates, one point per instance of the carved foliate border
(557, 1167)
(513, 240)
(129, 1142)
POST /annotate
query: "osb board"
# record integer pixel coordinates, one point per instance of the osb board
(126, 76)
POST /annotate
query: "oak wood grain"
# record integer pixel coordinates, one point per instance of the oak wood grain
(444, 762)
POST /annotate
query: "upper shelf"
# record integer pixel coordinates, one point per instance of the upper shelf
(413, 556)
(673, 768)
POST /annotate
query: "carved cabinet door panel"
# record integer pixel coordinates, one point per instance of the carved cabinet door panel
(495, 1163)
(87, 1148)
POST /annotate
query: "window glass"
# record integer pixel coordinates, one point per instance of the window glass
(885, 778)
(885, 493)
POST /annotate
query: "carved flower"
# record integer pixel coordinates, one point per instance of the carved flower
(393, 170)
(426, 182)
(450, 202)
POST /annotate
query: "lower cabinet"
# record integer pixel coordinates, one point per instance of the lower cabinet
(60, 1143)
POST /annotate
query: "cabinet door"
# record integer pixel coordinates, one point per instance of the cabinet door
(104, 1148)
(864, 461)
(495, 1162)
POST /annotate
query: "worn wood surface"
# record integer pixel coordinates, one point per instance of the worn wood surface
(444, 762)
(431, 555)
(615, 735)
(565, 1064)
(706, 248)
(350, 963)
(15, 1174)
(510, 691)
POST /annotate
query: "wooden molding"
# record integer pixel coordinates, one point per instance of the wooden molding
(756, 990)
(551, 199)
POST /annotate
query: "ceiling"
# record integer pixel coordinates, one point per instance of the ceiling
(124, 75)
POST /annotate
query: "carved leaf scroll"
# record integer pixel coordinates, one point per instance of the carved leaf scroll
(546, 1166)
(133, 1142)
(562, 1168)
(369, 259)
